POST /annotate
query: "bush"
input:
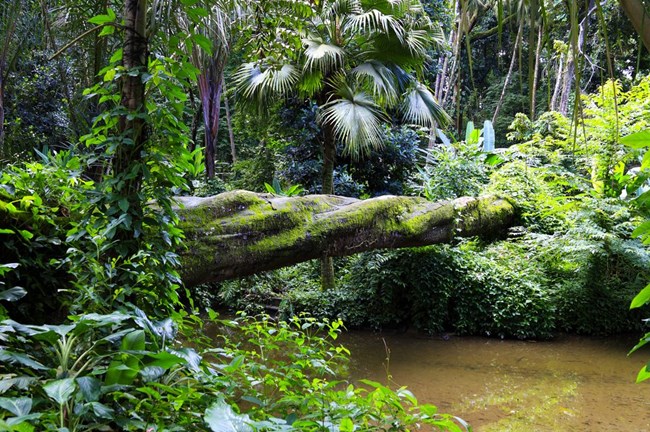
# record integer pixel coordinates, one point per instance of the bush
(122, 371)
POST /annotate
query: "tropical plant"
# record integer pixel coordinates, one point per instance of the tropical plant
(276, 189)
(125, 371)
(355, 59)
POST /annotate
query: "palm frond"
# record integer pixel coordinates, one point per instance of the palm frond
(381, 79)
(396, 7)
(260, 85)
(373, 21)
(343, 7)
(420, 106)
(311, 83)
(356, 120)
(321, 55)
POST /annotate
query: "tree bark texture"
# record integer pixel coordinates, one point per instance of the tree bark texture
(133, 128)
(240, 233)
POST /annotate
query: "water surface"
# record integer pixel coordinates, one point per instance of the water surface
(568, 384)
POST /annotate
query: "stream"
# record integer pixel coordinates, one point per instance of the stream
(568, 384)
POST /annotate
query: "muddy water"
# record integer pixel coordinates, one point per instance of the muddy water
(568, 384)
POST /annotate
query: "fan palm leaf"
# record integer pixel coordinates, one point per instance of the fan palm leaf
(259, 85)
(356, 120)
(420, 106)
(373, 21)
(322, 56)
(380, 78)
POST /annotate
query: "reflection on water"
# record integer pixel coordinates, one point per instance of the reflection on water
(569, 384)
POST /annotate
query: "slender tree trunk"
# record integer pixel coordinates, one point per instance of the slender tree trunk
(133, 128)
(558, 83)
(533, 44)
(533, 91)
(510, 69)
(210, 94)
(636, 13)
(329, 160)
(567, 84)
(2, 115)
(231, 134)
(11, 17)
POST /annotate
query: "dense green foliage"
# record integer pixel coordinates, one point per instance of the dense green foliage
(100, 129)
(129, 373)
(572, 264)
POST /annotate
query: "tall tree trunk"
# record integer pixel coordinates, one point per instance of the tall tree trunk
(567, 84)
(2, 114)
(533, 44)
(636, 13)
(9, 24)
(558, 83)
(575, 51)
(127, 169)
(329, 160)
(533, 90)
(240, 233)
(510, 69)
(231, 134)
(210, 87)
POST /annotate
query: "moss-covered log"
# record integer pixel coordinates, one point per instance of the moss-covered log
(240, 233)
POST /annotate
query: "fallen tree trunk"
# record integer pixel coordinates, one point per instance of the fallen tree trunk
(240, 233)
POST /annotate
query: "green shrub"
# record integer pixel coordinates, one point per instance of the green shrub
(122, 371)
(501, 292)
(39, 204)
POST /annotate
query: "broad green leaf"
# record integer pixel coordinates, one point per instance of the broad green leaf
(637, 140)
(107, 30)
(26, 234)
(60, 390)
(90, 388)
(124, 368)
(13, 294)
(164, 360)
(14, 357)
(102, 411)
(17, 406)
(468, 131)
(20, 383)
(346, 425)
(220, 417)
(6, 231)
(643, 375)
(641, 298)
(642, 230)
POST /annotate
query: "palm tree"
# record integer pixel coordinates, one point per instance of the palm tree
(355, 59)
(218, 30)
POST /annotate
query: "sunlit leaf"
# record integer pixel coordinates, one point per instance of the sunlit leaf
(637, 140)
(641, 298)
(220, 417)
